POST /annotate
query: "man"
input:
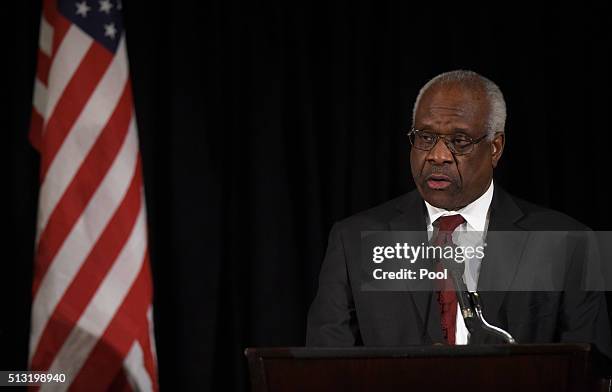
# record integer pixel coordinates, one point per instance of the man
(457, 141)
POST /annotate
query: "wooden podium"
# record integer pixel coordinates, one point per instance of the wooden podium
(526, 367)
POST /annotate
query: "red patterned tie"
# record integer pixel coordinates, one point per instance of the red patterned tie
(447, 299)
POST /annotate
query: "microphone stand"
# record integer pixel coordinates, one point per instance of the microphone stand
(493, 330)
(469, 303)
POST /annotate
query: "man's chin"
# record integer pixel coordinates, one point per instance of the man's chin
(440, 198)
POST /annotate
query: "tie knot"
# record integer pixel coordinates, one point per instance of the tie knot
(450, 222)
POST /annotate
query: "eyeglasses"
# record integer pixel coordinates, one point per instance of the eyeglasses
(457, 144)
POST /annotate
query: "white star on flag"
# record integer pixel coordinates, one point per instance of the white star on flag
(106, 6)
(82, 9)
(110, 30)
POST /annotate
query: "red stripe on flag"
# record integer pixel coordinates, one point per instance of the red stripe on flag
(83, 185)
(146, 344)
(105, 361)
(120, 383)
(49, 9)
(61, 26)
(93, 271)
(35, 133)
(42, 67)
(72, 101)
(60, 23)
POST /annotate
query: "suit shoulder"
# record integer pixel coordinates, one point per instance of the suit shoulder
(377, 217)
(537, 217)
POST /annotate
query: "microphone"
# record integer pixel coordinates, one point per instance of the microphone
(465, 303)
(469, 303)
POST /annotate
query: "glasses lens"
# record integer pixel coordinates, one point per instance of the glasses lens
(461, 145)
(424, 140)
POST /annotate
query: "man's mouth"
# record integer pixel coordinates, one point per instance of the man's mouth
(438, 181)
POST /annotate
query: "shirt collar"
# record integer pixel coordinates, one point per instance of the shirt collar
(475, 213)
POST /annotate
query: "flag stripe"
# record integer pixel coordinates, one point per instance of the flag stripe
(124, 319)
(67, 59)
(48, 10)
(83, 286)
(42, 71)
(91, 331)
(59, 24)
(83, 236)
(36, 125)
(45, 37)
(83, 185)
(147, 341)
(120, 383)
(39, 105)
(135, 359)
(78, 91)
(40, 96)
(84, 134)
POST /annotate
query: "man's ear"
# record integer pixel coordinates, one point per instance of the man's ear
(497, 147)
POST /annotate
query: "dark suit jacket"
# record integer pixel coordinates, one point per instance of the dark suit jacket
(344, 315)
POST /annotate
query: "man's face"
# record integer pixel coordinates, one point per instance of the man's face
(453, 181)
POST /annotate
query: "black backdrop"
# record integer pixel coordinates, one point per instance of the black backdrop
(261, 123)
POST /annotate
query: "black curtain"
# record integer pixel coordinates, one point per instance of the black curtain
(262, 123)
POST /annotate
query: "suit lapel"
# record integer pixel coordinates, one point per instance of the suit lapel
(502, 254)
(412, 218)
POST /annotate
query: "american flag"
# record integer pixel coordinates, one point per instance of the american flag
(92, 286)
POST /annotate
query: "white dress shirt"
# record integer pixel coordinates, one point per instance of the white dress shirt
(476, 215)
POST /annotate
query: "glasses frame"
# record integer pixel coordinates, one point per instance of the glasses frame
(447, 142)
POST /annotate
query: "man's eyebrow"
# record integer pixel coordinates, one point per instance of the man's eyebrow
(461, 130)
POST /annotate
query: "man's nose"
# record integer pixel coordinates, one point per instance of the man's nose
(440, 153)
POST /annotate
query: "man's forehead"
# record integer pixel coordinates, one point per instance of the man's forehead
(460, 113)
(444, 110)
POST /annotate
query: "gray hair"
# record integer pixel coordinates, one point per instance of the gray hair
(497, 109)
